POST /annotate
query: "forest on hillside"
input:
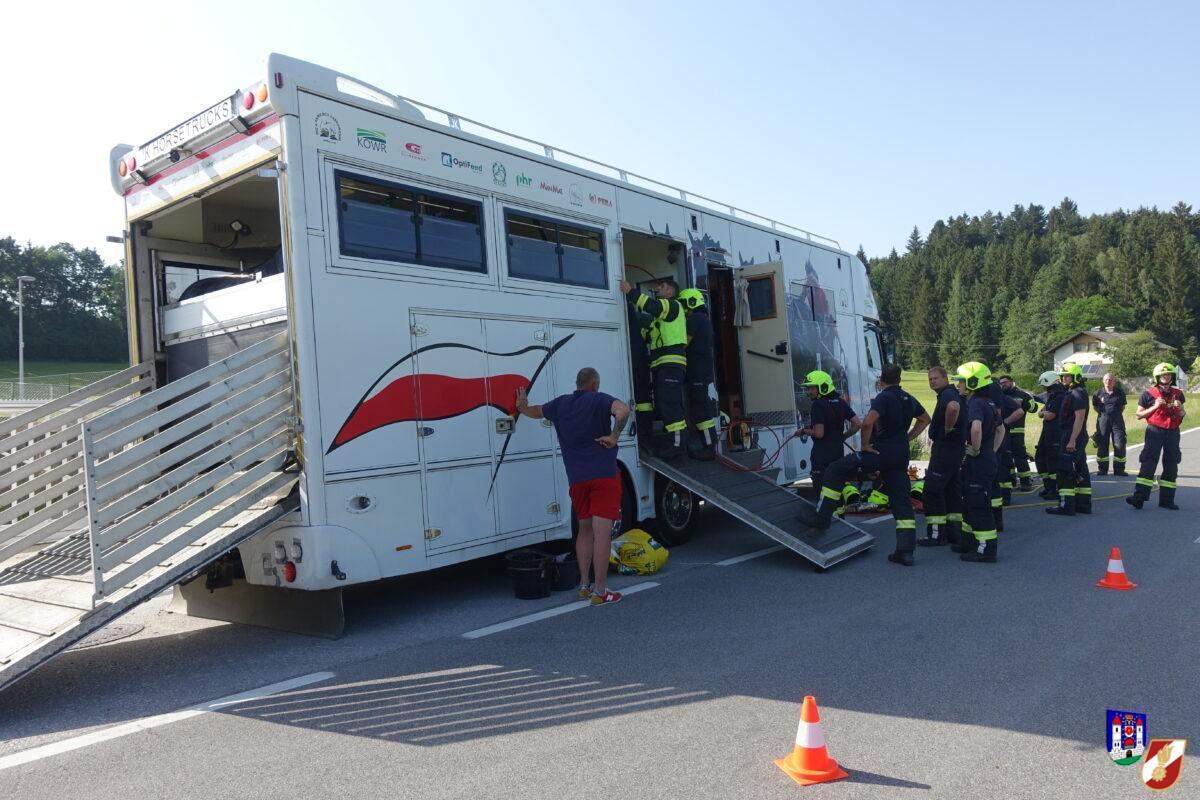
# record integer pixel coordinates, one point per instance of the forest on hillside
(1003, 288)
(74, 307)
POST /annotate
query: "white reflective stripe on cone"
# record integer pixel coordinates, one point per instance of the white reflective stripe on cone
(1115, 566)
(809, 734)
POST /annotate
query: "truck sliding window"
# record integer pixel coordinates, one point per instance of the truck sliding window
(544, 249)
(392, 222)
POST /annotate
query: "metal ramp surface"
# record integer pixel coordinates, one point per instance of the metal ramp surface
(766, 507)
(138, 497)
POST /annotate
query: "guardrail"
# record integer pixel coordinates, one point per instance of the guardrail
(169, 468)
(41, 469)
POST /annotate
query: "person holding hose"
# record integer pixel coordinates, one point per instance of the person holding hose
(1162, 407)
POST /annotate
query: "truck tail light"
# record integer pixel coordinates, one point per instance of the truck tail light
(289, 571)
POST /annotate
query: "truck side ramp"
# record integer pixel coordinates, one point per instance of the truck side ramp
(765, 506)
(147, 493)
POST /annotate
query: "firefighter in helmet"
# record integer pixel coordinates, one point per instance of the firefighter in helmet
(1162, 407)
(702, 411)
(667, 342)
(1046, 453)
(1074, 481)
(826, 424)
(984, 438)
(895, 419)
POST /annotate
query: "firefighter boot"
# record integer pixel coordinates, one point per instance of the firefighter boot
(935, 535)
(1141, 493)
(1102, 467)
(1119, 467)
(984, 553)
(1026, 483)
(966, 543)
(1166, 498)
(1083, 501)
(954, 531)
(670, 446)
(1049, 488)
(1065, 507)
(705, 449)
(905, 543)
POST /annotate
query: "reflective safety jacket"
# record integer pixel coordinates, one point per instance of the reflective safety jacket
(668, 331)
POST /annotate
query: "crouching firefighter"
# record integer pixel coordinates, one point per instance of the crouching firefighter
(985, 436)
(667, 342)
(943, 493)
(1046, 453)
(826, 424)
(702, 411)
(1074, 480)
(1162, 407)
(886, 431)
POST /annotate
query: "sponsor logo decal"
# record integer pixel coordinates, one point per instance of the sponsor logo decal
(1126, 736)
(413, 150)
(550, 187)
(599, 200)
(576, 195)
(328, 128)
(450, 160)
(1164, 763)
(372, 140)
(499, 174)
(524, 180)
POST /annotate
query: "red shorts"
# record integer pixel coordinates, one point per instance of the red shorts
(599, 497)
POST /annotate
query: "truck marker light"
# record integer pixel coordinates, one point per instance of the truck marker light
(122, 168)
(261, 94)
(289, 572)
(403, 547)
(248, 101)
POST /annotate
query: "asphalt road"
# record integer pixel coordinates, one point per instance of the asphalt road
(945, 680)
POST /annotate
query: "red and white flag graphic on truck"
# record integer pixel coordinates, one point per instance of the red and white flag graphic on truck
(404, 394)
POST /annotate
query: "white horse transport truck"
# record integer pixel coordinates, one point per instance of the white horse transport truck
(334, 293)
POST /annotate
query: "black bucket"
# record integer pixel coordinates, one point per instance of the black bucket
(532, 573)
(567, 572)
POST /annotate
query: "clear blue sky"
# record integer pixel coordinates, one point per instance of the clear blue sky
(855, 120)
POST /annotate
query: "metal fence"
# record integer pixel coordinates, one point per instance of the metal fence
(12, 391)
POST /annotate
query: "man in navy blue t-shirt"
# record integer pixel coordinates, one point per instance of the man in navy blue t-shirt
(588, 437)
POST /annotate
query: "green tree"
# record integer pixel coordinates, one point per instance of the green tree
(1081, 313)
(1135, 355)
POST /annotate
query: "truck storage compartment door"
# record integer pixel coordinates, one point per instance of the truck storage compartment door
(451, 388)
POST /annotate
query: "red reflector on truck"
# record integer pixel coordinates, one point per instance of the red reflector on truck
(289, 572)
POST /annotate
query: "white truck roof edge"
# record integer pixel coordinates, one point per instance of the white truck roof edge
(294, 74)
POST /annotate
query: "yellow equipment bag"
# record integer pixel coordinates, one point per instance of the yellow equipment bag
(636, 553)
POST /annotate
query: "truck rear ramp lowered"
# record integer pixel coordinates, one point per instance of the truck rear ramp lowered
(765, 506)
(130, 501)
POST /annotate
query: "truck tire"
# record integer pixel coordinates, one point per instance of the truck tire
(674, 512)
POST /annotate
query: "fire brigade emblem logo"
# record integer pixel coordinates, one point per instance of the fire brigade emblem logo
(499, 174)
(328, 128)
(1164, 762)
(1126, 736)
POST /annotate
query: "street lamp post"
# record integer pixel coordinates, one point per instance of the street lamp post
(21, 281)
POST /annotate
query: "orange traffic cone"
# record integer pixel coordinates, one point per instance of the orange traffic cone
(809, 762)
(1115, 577)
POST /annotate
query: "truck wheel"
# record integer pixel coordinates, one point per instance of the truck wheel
(674, 512)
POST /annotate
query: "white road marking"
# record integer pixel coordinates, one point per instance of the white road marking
(876, 520)
(766, 551)
(548, 613)
(146, 723)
